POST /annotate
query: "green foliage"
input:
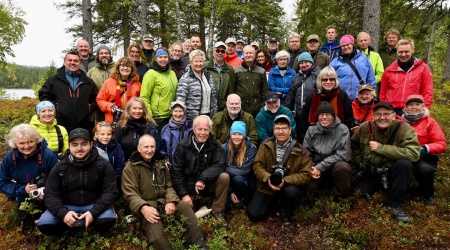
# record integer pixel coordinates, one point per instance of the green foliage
(29, 206)
(50, 71)
(18, 76)
(12, 27)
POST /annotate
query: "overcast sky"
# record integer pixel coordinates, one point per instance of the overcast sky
(45, 37)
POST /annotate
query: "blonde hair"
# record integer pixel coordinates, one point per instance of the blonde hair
(393, 31)
(240, 156)
(327, 71)
(126, 114)
(195, 53)
(99, 125)
(406, 42)
(22, 130)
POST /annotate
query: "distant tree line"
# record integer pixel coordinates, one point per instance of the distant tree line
(17, 76)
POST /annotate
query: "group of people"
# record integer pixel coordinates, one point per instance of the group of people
(165, 127)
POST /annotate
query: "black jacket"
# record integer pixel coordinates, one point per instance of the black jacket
(84, 185)
(72, 107)
(190, 165)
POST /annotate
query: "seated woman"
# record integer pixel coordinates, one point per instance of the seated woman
(432, 140)
(26, 167)
(329, 143)
(240, 154)
(45, 123)
(280, 77)
(177, 128)
(363, 105)
(134, 123)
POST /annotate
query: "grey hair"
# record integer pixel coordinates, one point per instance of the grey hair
(195, 53)
(283, 53)
(22, 130)
(293, 34)
(201, 117)
(327, 71)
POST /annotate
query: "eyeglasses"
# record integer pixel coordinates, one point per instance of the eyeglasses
(126, 65)
(328, 79)
(177, 51)
(220, 51)
(386, 114)
(261, 57)
(73, 60)
(134, 52)
(281, 129)
(325, 114)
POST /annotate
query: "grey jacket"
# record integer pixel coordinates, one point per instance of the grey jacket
(328, 145)
(302, 86)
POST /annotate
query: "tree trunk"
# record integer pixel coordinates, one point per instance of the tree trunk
(212, 21)
(371, 22)
(144, 12)
(446, 77)
(201, 23)
(430, 43)
(126, 28)
(178, 13)
(163, 23)
(87, 22)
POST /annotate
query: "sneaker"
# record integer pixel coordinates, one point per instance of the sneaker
(400, 215)
(221, 217)
(428, 201)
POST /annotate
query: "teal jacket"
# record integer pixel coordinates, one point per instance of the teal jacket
(264, 122)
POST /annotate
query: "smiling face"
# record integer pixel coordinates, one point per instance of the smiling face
(304, 65)
(104, 134)
(136, 110)
(365, 96)
(282, 132)
(201, 130)
(195, 43)
(404, 52)
(347, 48)
(72, 63)
(80, 148)
(83, 49)
(219, 53)
(125, 70)
(249, 54)
(273, 106)
(261, 58)
(391, 40)
(414, 107)
(233, 105)
(326, 119)
(162, 60)
(383, 117)
(237, 139)
(197, 64)
(104, 56)
(177, 114)
(147, 147)
(328, 83)
(46, 115)
(26, 145)
(134, 54)
(176, 52)
(312, 45)
(231, 48)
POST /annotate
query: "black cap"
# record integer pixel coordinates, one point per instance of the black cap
(79, 133)
(273, 40)
(384, 104)
(272, 96)
(325, 107)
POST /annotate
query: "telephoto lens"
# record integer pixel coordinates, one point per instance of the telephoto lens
(277, 176)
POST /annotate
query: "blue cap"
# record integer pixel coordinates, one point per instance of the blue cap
(238, 127)
(44, 104)
(161, 52)
(305, 56)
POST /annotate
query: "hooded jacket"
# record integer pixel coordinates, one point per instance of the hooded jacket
(335, 50)
(430, 135)
(171, 135)
(264, 122)
(251, 86)
(247, 165)
(73, 107)
(302, 86)
(224, 81)
(49, 133)
(100, 74)
(397, 85)
(115, 155)
(279, 83)
(328, 145)
(158, 91)
(23, 171)
(360, 111)
(222, 125)
(85, 185)
(234, 60)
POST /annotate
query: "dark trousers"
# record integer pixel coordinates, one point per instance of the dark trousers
(243, 187)
(262, 203)
(424, 172)
(161, 122)
(400, 175)
(339, 177)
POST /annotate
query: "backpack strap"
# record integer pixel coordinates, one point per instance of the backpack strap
(63, 167)
(288, 151)
(349, 62)
(60, 138)
(392, 138)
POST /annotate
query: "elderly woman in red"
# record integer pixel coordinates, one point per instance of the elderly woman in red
(432, 140)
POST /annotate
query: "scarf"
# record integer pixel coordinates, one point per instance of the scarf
(351, 55)
(154, 65)
(127, 89)
(334, 98)
(176, 125)
(405, 66)
(410, 118)
(307, 71)
(135, 125)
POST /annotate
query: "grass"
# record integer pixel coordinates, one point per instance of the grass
(354, 223)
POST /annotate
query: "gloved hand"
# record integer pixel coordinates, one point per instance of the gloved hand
(423, 151)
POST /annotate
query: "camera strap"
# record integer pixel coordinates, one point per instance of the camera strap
(288, 151)
(349, 62)
(60, 139)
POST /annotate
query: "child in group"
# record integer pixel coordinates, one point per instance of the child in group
(104, 141)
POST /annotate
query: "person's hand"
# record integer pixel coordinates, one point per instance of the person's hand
(199, 186)
(275, 188)
(315, 173)
(353, 129)
(187, 198)
(168, 164)
(70, 218)
(170, 208)
(114, 108)
(30, 187)
(234, 198)
(150, 214)
(89, 218)
(374, 145)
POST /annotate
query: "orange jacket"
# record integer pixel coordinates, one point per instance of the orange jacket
(233, 60)
(360, 111)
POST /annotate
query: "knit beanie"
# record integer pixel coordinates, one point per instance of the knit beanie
(347, 39)
(325, 107)
(103, 46)
(305, 56)
(161, 52)
(44, 104)
(238, 127)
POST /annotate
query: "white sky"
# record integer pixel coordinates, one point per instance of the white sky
(45, 37)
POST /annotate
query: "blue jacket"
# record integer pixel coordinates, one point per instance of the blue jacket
(347, 78)
(331, 49)
(247, 166)
(280, 83)
(115, 155)
(264, 122)
(23, 171)
(177, 133)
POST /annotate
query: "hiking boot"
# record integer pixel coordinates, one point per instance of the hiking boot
(221, 217)
(428, 201)
(400, 215)
(286, 214)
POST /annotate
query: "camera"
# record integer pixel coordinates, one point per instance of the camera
(35, 194)
(278, 172)
(117, 113)
(384, 177)
(361, 169)
(39, 180)
(79, 226)
(356, 122)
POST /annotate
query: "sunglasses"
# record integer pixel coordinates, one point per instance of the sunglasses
(220, 51)
(328, 79)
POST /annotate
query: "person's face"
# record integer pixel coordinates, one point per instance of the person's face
(363, 41)
(282, 62)
(219, 53)
(365, 96)
(125, 70)
(104, 134)
(261, 58)
(414, 107)
(294, 43)
(328, 82)
(176, 52)
(201, 130)
(249, 54)
(231, 48)
(147, 148)
(177, 114)
(148, 44)
(72, 63)
(135, 55)
(383, 117)
(347, 48)
(187, 46)
(239, 46)
(104, 56)
(26, 145)
(233, 105)
(46, 115)
(304, 65)
(331, 34)
(282, 132)
(312, 45)
(83, 49)
(326, 119)
(195, 43)
(391, 40)
(162, 60)
(237, 139)
(273, 45)
(136, 110)
(404, 52)
(197, 64)
(273, 106)
(80, 148)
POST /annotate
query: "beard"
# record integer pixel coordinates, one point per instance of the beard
(233, 113)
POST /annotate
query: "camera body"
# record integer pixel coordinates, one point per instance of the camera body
(361, 169)
(79, 226)
(35, 194)
(39, 181)
(278, 172)
(356, 122)
(384, 177)
(117, 113)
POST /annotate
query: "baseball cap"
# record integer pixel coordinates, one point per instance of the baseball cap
(312, 37)
(272, 96)
(255, 44)
(282, 117)
(230, 40)
(414, 98)
(174, 104)
(79, 133)
(147, 37)
(240, 41)
(273, 40)
(218, 44)
(383, 104)
(365, 87)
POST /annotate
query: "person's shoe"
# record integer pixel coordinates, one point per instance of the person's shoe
(428, 201)
(286, 214)
(221, 217)
(400, 215)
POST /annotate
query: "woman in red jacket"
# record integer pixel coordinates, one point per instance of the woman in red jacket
(363, 105)
(122, 85)
(432, 140)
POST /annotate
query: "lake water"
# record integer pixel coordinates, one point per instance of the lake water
(17, 94)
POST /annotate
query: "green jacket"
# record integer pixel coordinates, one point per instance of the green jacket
(99, 75)
(222, 125)
(49, 133)
(376, 62)
(405, 145)
(298, 166)
(145, 183)
(158, 91)
(387, 56)
(251, 86)
(224, 81)
(320, 59)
